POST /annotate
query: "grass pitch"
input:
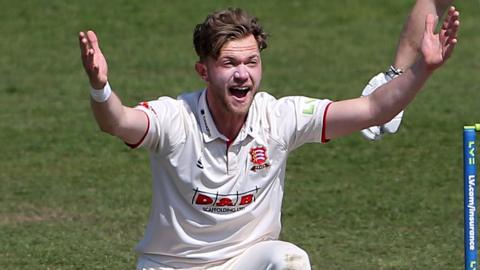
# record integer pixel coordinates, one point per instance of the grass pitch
(74, 198)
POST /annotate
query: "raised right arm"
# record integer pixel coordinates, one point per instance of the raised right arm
(347, 116)
(111, 115)
(408, 47)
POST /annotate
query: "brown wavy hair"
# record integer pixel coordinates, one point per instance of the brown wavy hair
(223, 26)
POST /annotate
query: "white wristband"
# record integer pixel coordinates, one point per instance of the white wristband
(101, 95)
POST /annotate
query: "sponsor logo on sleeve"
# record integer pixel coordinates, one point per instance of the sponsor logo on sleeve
(309, 106)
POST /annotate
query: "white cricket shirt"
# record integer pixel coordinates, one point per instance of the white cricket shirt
(211, 202)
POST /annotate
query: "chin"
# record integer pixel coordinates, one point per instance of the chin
(240, 110)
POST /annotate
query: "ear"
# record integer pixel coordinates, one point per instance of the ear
(201, 69)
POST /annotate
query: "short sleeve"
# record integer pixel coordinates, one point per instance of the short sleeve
(301, 120)
(165, 125)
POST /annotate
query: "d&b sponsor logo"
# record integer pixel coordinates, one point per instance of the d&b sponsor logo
(224, 203)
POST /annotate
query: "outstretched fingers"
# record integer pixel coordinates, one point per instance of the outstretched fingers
(449, 31)
(452, 15)
(83, 44)
(94, 62)
(88, 48)
(448, 47)
(450, 24)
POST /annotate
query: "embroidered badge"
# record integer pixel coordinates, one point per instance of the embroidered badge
(259, 158)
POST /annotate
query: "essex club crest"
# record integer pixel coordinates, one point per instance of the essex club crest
(258, 156)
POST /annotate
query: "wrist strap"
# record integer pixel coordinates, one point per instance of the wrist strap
(101, 95)
(393, 72)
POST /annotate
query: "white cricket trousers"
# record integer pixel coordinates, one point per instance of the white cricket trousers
(266, 255)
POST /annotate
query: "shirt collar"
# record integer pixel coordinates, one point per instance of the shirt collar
(249, 128)
(210, 131)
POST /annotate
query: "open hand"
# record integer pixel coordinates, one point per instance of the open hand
(437, 48)
(93, 60)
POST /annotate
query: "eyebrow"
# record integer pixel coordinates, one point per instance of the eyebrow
(233, 58)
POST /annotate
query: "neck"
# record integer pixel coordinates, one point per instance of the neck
(228, 124)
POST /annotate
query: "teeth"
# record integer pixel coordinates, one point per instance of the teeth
(241, 88)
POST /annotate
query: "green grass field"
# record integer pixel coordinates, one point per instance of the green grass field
(72, 197)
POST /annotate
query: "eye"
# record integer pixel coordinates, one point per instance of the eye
(252, 62)
(227, 64)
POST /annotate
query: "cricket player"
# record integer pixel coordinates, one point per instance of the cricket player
(408, 50)
(218, 155)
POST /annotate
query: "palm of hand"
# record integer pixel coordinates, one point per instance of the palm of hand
(98, 69)
(93, 60)
(437, 48)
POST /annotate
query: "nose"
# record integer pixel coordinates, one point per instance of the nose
(241, 74)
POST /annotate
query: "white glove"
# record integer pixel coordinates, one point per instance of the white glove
(376, 132)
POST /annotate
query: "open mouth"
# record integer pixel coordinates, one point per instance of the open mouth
(239, 92)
